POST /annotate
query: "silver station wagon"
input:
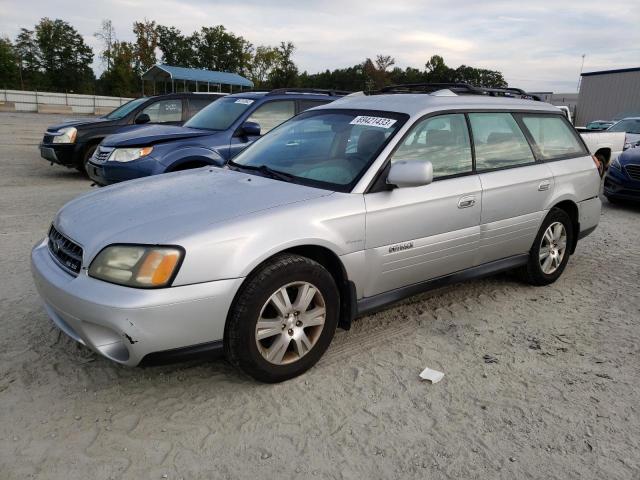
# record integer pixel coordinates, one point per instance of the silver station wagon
(338, 212)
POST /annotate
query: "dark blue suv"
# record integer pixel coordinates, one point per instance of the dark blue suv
(212, 137)
(623, 178)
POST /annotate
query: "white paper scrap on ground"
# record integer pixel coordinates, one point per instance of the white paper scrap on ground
(433, 376)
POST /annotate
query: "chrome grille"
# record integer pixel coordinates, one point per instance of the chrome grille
(101, 154)
(67, 253)
(633, 171)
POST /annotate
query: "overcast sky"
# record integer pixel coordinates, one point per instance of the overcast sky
(536, 44)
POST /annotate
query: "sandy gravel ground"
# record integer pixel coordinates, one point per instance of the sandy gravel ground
(560, 402)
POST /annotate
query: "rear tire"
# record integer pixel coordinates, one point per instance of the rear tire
(551, 249)
(283, 319)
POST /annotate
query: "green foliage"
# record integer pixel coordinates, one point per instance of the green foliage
(175, 47)
(145, 45)
(64, 58)
(220, 50)
(9, 75)
(121, 80)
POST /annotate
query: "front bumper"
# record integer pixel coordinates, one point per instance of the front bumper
(126, 324)
(618, 185)
(108, 173)
(66, 154)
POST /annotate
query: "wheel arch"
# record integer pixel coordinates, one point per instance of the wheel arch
(571, 209)
(329, 260)
(605, 154)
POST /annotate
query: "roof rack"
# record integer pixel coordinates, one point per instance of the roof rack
(458, 88)
(317, 91)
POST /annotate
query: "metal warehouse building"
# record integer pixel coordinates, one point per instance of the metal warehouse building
(608, 95)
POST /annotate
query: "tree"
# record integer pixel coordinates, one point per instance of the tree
(285, 72)
(175, 47)
(437, 71)
(107, 35)
(28, 55)
(65, 58)
(121, 80)
(262, 65)
(383, 62)
(145, 45)
(218, 49)
(9, 75)
(479, 77)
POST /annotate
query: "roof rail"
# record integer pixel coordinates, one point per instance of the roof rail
(318, 91)
(458, 88)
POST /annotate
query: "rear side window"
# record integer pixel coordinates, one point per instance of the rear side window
(552, 136)
(498, 141)
(443, 140)
(165, 111)
(307, 104)
(197, 104)
(272, 114)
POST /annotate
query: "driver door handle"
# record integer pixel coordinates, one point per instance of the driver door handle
(467, 201)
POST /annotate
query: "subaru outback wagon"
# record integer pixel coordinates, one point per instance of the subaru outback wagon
(336, 213)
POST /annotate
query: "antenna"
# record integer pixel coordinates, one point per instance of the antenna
(581, 67)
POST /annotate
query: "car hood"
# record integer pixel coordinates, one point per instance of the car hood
(151, 134)
(78, 123)
(632, 137)
(166, 208)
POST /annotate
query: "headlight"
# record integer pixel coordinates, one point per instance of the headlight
(129, 154)
(137, 266)
(66, 135)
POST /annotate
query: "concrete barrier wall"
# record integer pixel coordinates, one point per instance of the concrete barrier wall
(26, 101)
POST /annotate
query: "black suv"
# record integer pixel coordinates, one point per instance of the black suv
(72, 143)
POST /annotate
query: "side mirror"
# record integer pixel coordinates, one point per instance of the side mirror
(142, 118)
(412, 173)
(251, 129)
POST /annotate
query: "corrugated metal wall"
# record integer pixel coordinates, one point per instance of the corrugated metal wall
(607, 96)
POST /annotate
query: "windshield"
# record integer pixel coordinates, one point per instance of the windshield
(631, 125)
(221, 114)
(326, 148)
(125, 109)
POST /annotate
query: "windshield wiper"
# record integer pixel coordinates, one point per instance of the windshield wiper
(270, 172)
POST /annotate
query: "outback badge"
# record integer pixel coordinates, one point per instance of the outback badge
(400, 247)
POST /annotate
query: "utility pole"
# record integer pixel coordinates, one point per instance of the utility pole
(581, 67)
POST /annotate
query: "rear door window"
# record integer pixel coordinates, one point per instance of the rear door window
(498, 141)
(165, 111)
(307, 104)
(272, 114)
(197, 104)
(552, 136)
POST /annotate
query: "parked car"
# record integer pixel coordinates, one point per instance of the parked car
(598, 125)
(605, 145)
(211, 137)
(631, 127)
(334, 214)
(73, 142)
(623, 178)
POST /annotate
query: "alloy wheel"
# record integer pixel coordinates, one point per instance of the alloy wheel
(290, 323)
(553, 247)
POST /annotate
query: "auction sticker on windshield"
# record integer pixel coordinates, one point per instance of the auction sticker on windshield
(373, 121)
(244, 101)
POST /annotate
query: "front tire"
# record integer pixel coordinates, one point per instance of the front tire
(88, 153)
(283, 319)
(551, 249)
